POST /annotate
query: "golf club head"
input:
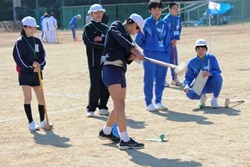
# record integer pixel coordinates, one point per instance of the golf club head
(48, 126)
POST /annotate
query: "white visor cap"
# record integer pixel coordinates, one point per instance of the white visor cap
(138, 20)
(95, 8)
(29, 21)
(201, 42)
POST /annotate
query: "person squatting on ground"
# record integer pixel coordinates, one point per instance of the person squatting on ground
(93, 37)
(208, 64)
(174, 23)
(73, 25)
(28, 50)
(155, 43)
(119, 50)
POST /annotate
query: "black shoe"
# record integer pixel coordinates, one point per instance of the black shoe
(110, 137)
(130, 144)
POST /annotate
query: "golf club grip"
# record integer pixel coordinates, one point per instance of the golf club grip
(160, 62)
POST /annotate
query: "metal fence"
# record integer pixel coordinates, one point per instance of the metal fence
(191, 12)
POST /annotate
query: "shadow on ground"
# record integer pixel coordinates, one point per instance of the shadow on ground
(222, 110)
(175, 87)
(182, 117)
(143, 159)
(50, 138)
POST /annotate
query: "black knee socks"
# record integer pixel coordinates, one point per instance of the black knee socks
(28, 112)
(27, 109)
(41, 112)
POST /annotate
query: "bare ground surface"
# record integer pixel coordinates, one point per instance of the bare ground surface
(196, 137)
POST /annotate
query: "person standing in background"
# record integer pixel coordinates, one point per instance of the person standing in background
(45, 28)
(88, 19)
(52, 26)
(41, 26)
(73, 25)
(29, 56)
(94, 36)
(174, 23)
(155, 43)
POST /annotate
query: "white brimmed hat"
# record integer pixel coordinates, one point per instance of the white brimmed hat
(138, 20)
(29, 21)
(95, 8)
(201, 42)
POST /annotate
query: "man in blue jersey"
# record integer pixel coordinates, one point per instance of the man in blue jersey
(174, 23)
(208, 64)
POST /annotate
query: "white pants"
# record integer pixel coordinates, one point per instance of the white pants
(52, 36)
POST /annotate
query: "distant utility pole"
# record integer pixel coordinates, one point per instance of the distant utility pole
(15, 3)
(37, 6)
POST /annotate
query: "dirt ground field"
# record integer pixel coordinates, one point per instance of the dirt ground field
(196, 137)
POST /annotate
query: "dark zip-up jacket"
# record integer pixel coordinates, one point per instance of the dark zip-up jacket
(118, 44)
(94, 49)
(23, 54)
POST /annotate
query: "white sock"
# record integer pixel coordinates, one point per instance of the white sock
(107, 130)
(124, 136)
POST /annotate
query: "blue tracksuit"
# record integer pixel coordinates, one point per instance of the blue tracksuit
(214, 82)
(155, 43)
(73, 26)
(174, 23)
(41, 26)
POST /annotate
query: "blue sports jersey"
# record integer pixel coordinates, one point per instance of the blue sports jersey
(73, 22)
(156, 36)
(196, 64)
(174, 23)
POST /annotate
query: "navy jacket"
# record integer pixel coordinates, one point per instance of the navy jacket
(118, 44)
(94, 49)
(28, 50)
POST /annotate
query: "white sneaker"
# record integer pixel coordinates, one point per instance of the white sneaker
(33, 126)
(104, 112)
(203, 100)
(151, 107)
(90, 114)
(166, 84)
(214, 103)
(160, 106)
(176, 82)
(43, 123)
